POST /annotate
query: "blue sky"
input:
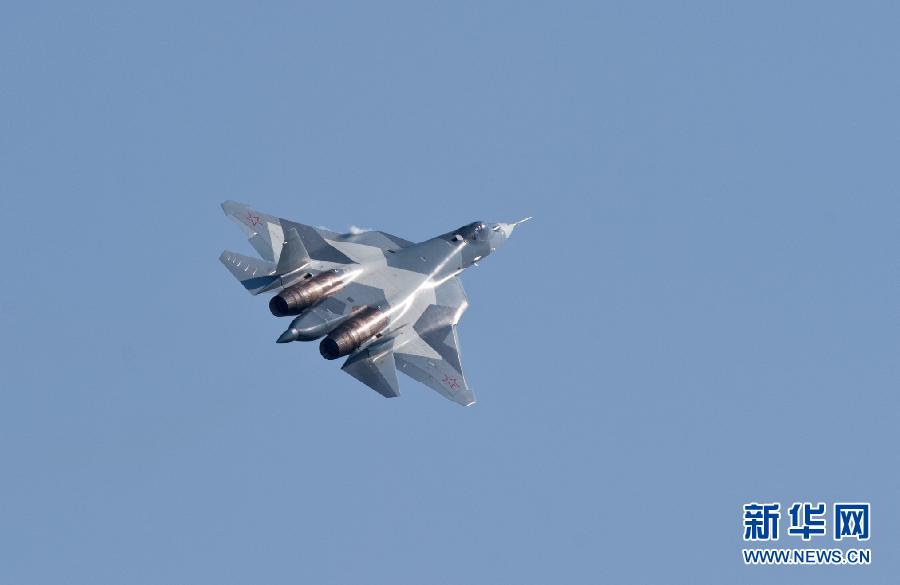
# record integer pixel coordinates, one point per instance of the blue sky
(703, 312)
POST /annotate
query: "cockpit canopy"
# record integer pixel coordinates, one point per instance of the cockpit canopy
(475, 231)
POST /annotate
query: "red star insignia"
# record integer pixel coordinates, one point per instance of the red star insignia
(253, 219)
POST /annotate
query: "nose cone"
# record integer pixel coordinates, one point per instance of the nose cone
(509, 227)
(505, 230)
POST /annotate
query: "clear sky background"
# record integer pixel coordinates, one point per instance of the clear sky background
(703, 312)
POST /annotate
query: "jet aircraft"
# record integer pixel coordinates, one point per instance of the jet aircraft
(381, 301)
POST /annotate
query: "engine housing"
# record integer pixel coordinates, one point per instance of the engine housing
(348, 336)
(298, 297)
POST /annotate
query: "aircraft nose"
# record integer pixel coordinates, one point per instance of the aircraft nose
(507, 228)
(288, 336)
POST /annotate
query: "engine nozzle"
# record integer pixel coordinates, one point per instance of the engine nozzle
(350, 335)
(297, 298)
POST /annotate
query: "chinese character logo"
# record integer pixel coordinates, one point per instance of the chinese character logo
(851, 521)
(761, 521)
(807, 520)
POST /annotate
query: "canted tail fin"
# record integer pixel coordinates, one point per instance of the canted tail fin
(293, 253)
(282, 249)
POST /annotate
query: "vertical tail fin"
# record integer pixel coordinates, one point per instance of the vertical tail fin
(293, 253)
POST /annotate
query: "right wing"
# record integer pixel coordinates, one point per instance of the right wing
(267, 234)
(286, 245)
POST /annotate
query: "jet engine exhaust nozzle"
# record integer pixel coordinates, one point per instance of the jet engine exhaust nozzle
(297, 298)
(349, 336)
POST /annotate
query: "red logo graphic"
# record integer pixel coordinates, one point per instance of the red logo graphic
(451, 383)
(253, 219)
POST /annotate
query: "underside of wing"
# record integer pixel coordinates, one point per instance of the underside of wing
(434, 360)
(429, 351)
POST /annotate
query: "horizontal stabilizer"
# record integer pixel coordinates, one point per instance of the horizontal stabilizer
(254, 274)
(375, 369)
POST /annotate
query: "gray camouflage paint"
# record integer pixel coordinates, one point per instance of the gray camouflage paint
(414, 284)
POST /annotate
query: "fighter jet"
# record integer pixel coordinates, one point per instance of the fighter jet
(379, 300)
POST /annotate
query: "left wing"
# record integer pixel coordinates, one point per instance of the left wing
(433, 359)
(429, 350)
